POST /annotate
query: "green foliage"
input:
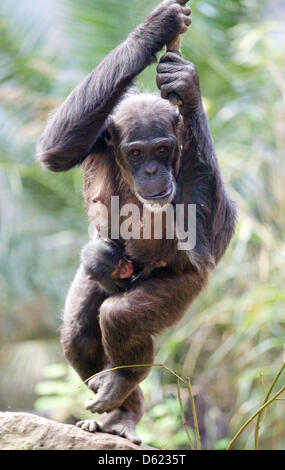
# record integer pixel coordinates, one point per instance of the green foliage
(161, 426)
(222, 444)
(60, 395)
(235, 331)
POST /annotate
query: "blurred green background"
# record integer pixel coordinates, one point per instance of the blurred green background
(231, 341)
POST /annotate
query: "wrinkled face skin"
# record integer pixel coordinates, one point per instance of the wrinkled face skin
(143, 134)
(148, 154)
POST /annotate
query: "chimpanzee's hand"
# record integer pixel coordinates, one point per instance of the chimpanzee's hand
(169, 19)
(174, 74)
(104, 263)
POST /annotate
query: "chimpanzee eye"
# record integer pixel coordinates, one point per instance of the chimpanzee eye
(162, 149)
(135, 153)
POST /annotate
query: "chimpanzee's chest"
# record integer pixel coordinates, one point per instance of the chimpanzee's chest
(147, 237)
(150, 239)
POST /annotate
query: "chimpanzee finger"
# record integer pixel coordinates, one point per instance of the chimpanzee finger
(164, 78)
(187, 10)
(166, 89)
(172, 57)
(164, 68)
(169, 67)
(187, 20)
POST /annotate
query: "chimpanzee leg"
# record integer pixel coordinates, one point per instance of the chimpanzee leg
(128, 322)
(82, 345)
(80, 333)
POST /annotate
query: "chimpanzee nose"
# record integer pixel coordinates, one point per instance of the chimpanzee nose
(151, 168)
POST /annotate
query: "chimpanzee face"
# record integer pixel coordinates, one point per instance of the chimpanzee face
(147, 149)
(148, 156)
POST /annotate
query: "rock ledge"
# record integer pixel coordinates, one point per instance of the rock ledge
(26, 431)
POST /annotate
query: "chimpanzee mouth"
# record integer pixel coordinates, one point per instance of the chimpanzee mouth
(162, 195)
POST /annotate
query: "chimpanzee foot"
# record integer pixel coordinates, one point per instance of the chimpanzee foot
(111, 390)
(119, 422)
(87, 425)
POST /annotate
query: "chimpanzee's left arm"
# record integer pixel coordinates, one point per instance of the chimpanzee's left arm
(200, 180)
(78, 123)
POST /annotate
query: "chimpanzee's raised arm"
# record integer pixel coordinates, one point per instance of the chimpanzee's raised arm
(200, 178)
(72, 129)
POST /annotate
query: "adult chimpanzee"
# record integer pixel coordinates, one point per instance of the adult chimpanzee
(142, 149)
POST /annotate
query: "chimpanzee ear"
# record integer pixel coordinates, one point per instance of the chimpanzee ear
(111, 133)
